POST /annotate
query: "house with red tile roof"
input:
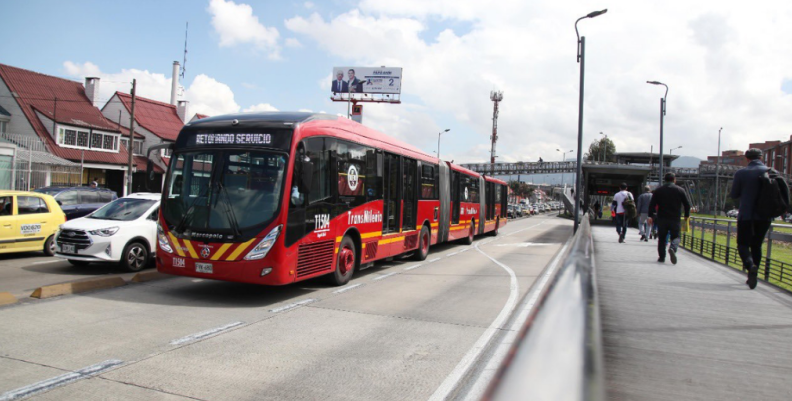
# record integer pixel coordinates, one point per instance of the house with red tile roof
(198, 116)
(157, 122)
(60, 113)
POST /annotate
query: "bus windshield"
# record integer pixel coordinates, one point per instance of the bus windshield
(223, 190)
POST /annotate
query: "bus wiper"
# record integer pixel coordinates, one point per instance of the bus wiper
(229, 211)
(180, 225)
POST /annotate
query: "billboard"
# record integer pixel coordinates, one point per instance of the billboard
(381, 80)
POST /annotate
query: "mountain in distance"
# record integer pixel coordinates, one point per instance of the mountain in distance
(686, 161)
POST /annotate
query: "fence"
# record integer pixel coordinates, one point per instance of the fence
(32, 166)
(724, 250)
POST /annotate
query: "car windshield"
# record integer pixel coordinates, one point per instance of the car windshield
(124, 209)
(223, 190)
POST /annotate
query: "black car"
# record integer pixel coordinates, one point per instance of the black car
(79, 201)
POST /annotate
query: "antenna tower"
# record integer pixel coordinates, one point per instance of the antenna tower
(496, 97)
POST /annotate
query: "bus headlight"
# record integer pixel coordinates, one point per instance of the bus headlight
(163, 241)
(264, 246)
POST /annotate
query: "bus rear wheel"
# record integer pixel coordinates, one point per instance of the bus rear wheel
(346, 263)
(423, 244)
(469, 239)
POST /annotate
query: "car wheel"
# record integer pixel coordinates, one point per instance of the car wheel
(135, 257)
(346, 262)
(78, 263)
(423, 244)
(49, 246)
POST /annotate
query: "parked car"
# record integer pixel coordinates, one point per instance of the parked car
(122, 231)
(79, 201)
(511, 212)
(28, 222)
(733, 213)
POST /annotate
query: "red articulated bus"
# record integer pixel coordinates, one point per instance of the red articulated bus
(275, 198)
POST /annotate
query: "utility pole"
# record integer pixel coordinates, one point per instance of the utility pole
(496, 97)
(131, 138)
(717, 176)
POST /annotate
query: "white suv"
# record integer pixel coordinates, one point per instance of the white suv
(124, 231)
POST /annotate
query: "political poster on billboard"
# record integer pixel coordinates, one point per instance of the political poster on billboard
(382, 80)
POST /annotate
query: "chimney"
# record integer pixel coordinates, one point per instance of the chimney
(174, 82)
(92, 89)
(181, 110)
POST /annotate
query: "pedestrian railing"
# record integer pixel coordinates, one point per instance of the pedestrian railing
(716, 239)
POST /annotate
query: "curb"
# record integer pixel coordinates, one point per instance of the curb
(7, 299)
(77, 287)
(143, 277)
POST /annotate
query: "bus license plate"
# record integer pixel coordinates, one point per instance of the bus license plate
(203, 268)
(67, 248)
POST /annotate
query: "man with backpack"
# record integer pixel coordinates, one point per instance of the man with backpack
(664, 207)
(763, 195)
(624, 205)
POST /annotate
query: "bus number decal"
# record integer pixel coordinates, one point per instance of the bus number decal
(322, 223)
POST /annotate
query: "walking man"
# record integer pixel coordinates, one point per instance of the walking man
(751, 228)
(618, 205)
(668, 199)
(643, 213)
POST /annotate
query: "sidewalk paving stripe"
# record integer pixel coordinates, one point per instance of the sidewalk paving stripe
(57, 381)
(205, 334)
(292, 306)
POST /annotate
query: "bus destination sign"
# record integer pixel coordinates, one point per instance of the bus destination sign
(217, 138)
(270, 138)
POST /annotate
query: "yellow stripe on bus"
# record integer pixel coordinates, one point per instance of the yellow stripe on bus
(221, 251)
(176, 244)
(190, 249)
(371, 235)
(240, 249)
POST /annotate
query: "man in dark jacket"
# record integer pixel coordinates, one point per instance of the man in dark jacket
(751, 229)
(643, 213)
(668, 199)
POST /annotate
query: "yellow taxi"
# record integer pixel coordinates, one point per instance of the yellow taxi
(29, 222)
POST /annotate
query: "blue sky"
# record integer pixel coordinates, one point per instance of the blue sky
(262, 55)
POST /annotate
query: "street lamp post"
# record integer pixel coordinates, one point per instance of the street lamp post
(438, 141)
(717, 175)
(581, 58)
(662, 113)
(671, 151)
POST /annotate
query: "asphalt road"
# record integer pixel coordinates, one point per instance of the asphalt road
(401, 330)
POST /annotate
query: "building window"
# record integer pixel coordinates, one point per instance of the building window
(137, 150)
(167, 152)
(96, 141)
(70, 138)
(82, 139)
(3, 127)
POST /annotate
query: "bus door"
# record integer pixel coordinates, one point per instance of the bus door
(392, 196)
(455, 198)
(410, 199)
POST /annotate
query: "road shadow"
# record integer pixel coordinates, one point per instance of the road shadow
(66, 268)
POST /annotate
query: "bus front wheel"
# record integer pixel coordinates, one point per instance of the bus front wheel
(346, 263)
(469, 239)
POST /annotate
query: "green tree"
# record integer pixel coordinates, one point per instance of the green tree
(601, 150)
(521, 189)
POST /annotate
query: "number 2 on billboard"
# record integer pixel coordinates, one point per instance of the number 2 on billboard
(391, 82)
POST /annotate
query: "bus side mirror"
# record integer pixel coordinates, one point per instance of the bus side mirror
(306, 176)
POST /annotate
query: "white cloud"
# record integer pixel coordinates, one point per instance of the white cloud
(206, 95)
(293, 43)
(210, 97)
(260, 107)
(721, 68)
(236, 24)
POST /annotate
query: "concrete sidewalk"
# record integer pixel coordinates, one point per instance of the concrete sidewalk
(691, 331)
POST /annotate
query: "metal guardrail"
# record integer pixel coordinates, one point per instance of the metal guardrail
(774, 271)
(558, 353)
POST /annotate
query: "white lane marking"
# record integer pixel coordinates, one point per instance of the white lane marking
(433, 260)
(204, 334)
(347, 288)
(385, 276)
(465, 250)
(197, 280)
(47, 261)
(452, 380)
(526, 244)
(57, 381)
(413, 267)
(292, 306)
(452, 254)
